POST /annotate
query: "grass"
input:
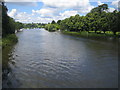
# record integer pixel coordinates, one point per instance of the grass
(7, 45)
(9, 40)
(92, 34)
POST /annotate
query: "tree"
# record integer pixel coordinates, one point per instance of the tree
(8, 26)
(98, 19)
(18, 25)
(114, 22)
(58, 22)
(53, 22)
(100, 8)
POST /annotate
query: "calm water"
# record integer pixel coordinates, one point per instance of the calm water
(43, 59)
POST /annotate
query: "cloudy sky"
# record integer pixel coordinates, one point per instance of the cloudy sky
(44, 11)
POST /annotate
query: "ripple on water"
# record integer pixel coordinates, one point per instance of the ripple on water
(49, 60)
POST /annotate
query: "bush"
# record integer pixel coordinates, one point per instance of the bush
(51, 27)
(9, 40)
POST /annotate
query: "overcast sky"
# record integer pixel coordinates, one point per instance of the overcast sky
(44, 11)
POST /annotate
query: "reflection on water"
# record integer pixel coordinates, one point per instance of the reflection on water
(44, 59)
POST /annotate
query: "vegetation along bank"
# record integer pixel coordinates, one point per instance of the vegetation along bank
(99, 22)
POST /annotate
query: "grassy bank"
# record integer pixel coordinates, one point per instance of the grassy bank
(92, 34)
(9, 40)
(7, 44)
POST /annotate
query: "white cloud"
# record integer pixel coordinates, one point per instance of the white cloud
(65, 3)
(68, 13)
(44, 12)
(22, 0)
(52, 0)
(22, 17)
(12, 13)
(84, 10)
(27, 18)
(53, 7)
(19, 16)
(65, 14)
(23, 3)
(111, 9)
(115, 3)
(49, 16)
(51, 10)
(44, 20)
(100, 3)
(82, 6)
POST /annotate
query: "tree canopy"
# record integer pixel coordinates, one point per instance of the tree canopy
(98, 19)
(8, 24)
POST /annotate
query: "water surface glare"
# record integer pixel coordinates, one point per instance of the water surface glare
(50, 59)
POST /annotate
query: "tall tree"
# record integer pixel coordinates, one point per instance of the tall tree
(53, 22)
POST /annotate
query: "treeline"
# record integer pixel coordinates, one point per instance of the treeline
(53, 26)
(34, 25)
(8, 24)
(98, 20)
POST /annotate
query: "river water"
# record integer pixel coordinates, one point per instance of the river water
(43, 59)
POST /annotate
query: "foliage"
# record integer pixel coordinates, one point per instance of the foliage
(98, 20)
(9, 40)
(52, 27)
(34, 25)
(8, 24)
(8, 28)
(53, 22)
(19, 25)
(92, 34)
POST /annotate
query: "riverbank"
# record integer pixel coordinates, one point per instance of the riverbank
(92, 34)
(9, 40)
(7, 44)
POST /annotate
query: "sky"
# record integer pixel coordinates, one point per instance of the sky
(44, 11)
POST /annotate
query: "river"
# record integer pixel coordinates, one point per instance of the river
(43, 59)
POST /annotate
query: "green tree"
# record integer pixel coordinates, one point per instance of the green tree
(58, 22)
(53, 22)
(8, 26)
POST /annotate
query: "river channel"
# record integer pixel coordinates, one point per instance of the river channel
(43, 59)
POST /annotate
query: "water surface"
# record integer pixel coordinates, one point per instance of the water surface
(43, 59)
